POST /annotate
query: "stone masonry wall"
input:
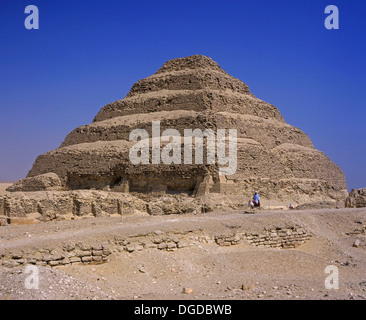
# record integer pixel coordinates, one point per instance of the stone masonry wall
(356, 198)
(33, 207)
(67, 254)
(85, 253)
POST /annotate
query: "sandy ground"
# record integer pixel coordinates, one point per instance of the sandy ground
(3, 186)
(236, 272)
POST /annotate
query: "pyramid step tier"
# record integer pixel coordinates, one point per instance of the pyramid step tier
(189, 80)
(268, 132)
(194, 100)
(101, 163)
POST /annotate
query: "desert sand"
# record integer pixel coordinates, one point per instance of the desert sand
(240, 271)
(3, 186)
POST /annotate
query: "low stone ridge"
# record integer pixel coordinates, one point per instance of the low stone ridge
(70, 253)
(99, 252)
(273, 157)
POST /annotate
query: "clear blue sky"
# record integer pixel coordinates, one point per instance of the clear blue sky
(89, 53)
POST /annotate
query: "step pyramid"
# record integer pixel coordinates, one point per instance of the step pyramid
(273, 157)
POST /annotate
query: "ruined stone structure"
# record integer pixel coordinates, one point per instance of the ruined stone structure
(273, 157)
(99, 252)
(356, 198)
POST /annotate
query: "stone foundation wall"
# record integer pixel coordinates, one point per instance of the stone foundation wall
(85, 253)
(278, 238)
(67, 254)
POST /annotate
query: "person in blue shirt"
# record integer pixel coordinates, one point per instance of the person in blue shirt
(256, 199)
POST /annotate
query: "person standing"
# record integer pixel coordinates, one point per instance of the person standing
(256, 199)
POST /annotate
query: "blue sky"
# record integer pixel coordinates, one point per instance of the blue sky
(89, 53)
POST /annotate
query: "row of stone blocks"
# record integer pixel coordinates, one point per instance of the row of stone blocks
(284, 238)
(99, 253)
(68, 254)
(288, 237)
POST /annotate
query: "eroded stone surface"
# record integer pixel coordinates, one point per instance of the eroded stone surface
(356, 198)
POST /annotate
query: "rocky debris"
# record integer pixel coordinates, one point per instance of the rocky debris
(356, 198)
(187, 290)
(273, 157)
(52, 284)
(246, 287)
(357, 243)
(357, 231)
(142, 269)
